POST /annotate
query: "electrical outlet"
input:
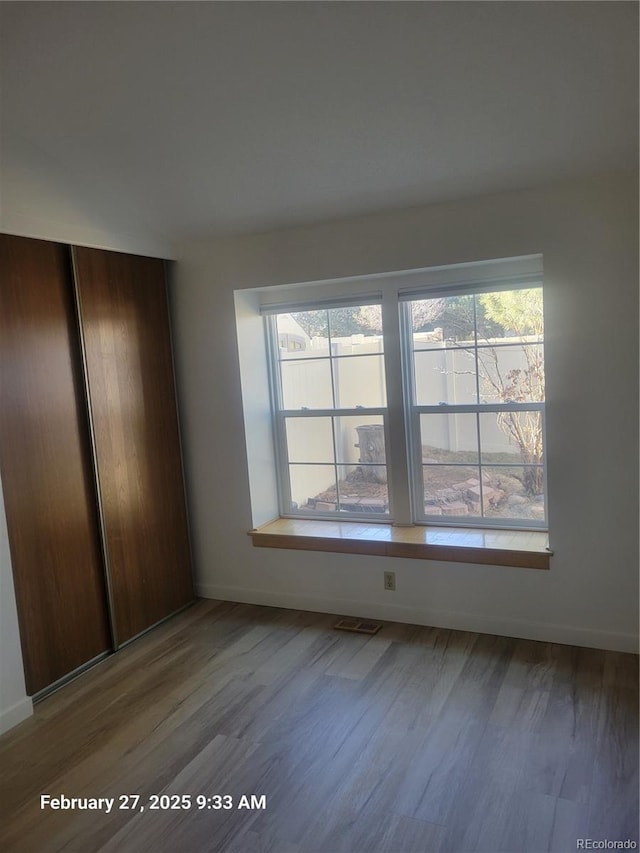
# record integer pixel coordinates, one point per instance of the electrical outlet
(390, 581)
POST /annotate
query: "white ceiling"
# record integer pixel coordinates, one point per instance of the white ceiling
(212, 118)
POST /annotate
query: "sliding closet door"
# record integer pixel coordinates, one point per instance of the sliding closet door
(45, 460)
(125, 328)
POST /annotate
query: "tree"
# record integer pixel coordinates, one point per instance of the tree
(344, 322)
(364, 319)
(518, 314)
(425, 313)
(517, 311)
(313, 322)
(356, 320)
(369, 318)
(503, 314)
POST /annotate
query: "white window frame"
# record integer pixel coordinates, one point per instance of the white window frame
(414, 410)
(401, 416)
(281, 414)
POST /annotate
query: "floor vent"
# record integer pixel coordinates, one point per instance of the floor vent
(358, 625)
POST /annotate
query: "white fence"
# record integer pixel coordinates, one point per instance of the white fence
(443, 373)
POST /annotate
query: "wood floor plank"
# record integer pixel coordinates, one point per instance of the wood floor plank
(614, 793)
(214, 768)
(524, 694)
(415, 740)
(363, 661)
(252, 842)
(433, 669)
(342, 831)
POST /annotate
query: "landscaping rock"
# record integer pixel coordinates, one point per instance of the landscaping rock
(432, 509)
(516, 500)
(455, 508)
(474, 493)
(373, 502)
(446, 494)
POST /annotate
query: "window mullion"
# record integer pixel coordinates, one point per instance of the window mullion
(277, 420)
(479, 446)
(331, 362)
(335, 406)
(417, 467)
(396, 432)
(335, 461)
(282, 461)
(478, 400)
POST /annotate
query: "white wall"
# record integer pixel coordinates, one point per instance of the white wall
(587, 232)
(39, 200)
(15, 705)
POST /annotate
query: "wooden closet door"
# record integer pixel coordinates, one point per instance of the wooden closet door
(45, 460)
(125, 326)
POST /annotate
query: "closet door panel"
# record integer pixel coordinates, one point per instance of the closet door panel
(45, 460)
(128, 361)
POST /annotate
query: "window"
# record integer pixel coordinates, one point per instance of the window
(330, 406)
(463, 441)
(476, 406)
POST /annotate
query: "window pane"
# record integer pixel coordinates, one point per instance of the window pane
(309, 440)
(306, 384)
(359, 381)
(303, 334)
(357, 345)
(445, 376)
(511, 437)
(448, 320)
(363, 489)
(473, 350)
(449, 438)
(316, 348)
(451, 490)
(313, 488)
(516, 492)
(359, 320)
(510, 314)
(511, 374)
(360, 439)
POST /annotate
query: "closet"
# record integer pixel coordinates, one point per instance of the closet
(89, 452)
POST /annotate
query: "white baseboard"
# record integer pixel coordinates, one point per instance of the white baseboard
(15, 714)
(502, 626)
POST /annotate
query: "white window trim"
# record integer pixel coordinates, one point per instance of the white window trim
(413, 411)
(401, 416)
(280, 415)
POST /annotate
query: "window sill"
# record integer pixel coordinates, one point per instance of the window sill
(522, 549)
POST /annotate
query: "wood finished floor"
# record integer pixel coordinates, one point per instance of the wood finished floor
(411, 741)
